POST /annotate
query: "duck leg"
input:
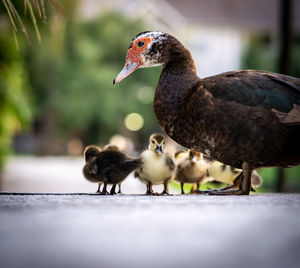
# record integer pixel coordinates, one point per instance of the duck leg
(104, 192)
(237, 182)
(244, 186)
(181, 185)
(113, 190)
(119, 192)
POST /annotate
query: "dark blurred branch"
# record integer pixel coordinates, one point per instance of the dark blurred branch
(285, 36)
(284, 63)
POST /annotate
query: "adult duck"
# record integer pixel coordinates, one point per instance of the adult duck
(246, 119)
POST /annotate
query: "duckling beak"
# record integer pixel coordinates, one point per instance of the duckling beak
(158, 149)
(194, 160)
(130, 67)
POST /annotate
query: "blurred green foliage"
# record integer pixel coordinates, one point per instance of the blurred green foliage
(14, 93)
(82, 94)
(64, 86)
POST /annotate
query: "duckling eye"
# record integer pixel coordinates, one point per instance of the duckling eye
(141, 44)
(153, 141)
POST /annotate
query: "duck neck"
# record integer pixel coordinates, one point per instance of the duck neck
(177, 78)
(179, 71)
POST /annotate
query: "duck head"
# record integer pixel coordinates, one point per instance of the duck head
(111, 147)
(157, 143)
(145, 50)
(90, 152)
(195, 156)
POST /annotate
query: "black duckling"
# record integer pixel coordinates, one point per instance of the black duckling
(114, 148)
(108, 167)
(158, 167)
(190, 168)
(89, 170)
(246, 119)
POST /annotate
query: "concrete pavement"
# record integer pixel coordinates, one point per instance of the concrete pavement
(149, 231)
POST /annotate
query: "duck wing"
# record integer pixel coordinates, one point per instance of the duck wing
(276, 92)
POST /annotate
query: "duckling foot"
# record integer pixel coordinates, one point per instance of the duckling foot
(149, 189)
(197, 191)
(228, 192)
(165, 193)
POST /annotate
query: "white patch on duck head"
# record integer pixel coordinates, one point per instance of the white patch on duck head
(152, 55)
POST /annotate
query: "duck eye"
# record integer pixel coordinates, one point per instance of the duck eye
(141, 44)
(153, 141)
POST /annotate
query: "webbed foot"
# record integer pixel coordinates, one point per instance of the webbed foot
(228, 192)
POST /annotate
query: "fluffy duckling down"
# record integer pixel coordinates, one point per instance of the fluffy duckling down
(90, 169)
(227, 174)
(108, 166)
(114, 148)
(158, 167)
(190, 168)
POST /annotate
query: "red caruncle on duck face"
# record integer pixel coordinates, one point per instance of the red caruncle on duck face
(134, 58)
(134, 53)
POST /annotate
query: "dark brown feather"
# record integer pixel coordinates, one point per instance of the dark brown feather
(235, 117)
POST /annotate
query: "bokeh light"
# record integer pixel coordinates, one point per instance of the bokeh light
(145, 95)
(134, 121)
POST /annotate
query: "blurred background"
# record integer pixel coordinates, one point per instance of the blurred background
(58, 60)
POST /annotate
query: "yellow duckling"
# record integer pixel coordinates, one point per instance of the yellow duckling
(158, 167)
(231, 176)
(190, 168)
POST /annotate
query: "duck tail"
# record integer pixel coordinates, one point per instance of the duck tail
(137, 161)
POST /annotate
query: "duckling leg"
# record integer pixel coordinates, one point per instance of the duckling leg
(181, 185)
(119, 192)
(244, 187)
(198, 191)
(104, 192)
(149, 188)
(166, 190)
(113, 190)
(99, 185)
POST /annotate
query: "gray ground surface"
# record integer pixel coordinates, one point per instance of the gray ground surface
(142, 231)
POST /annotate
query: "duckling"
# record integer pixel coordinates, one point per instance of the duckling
(108, 166)
(89, 170)
(190, 168)
(158, 167)
(231, 176)
(114, 148)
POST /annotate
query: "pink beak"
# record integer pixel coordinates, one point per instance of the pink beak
(129, 68)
